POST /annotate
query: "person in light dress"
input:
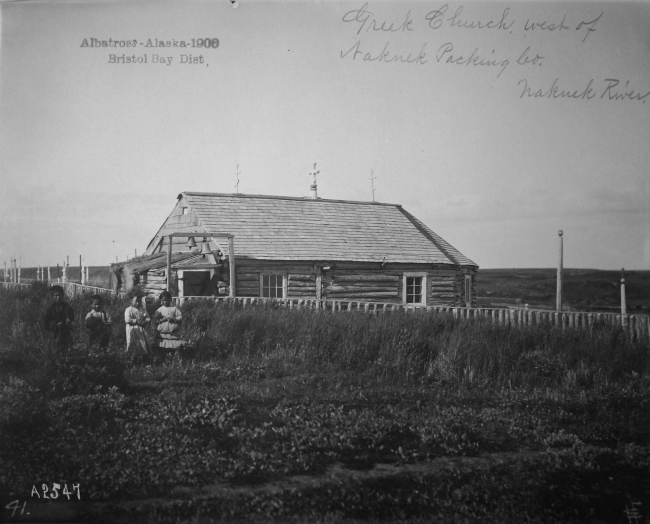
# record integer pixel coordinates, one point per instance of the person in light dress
(167, 320)
(137, 319)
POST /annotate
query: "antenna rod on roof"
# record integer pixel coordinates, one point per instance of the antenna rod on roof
(237, 174)
(372, 183)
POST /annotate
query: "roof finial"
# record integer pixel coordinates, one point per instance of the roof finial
(314, 172)
(237, 174)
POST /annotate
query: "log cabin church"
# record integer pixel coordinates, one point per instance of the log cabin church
(309, 248)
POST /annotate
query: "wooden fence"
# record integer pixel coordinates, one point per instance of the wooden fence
(71, 289)
(636, 326)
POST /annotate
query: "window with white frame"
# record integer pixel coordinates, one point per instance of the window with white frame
(272, 286)
(415, 288)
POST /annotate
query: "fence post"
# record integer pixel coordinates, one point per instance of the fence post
(558, 298)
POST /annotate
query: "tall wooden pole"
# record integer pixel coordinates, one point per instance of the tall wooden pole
(231, 260)
(558, 304)
(169, 263)
(623, 304)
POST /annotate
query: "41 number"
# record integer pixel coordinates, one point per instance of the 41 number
(14, 505)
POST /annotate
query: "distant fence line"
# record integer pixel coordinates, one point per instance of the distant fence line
(71, 289)
(636, 326)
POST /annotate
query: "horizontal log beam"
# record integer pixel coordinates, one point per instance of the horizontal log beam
(358, 295)
(294, 283)
(389, 267)
(276, 270)
(369, 277)
(154, 284)
(334, 289)
(364, 283)
(249, 285)
(302, 278)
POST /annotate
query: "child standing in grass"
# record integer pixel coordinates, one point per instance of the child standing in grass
(136, 318)
(168, 320)
(98, 322)
(58, 320)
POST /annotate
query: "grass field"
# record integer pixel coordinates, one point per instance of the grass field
(583, 289)
(279, 415)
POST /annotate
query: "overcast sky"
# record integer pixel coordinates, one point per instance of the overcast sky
(496, 124)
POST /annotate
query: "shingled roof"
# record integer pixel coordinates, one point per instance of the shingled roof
(290, 228)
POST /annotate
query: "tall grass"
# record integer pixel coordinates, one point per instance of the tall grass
(402, 347)
(398, 348)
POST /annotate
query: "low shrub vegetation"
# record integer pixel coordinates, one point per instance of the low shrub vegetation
(275, 414)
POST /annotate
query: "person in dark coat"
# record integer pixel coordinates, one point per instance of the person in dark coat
(58, 319)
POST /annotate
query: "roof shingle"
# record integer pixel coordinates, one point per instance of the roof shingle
(289, 228)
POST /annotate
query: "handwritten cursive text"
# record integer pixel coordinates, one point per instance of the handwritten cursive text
(367, 21)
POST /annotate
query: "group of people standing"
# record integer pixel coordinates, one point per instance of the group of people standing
(59, 317)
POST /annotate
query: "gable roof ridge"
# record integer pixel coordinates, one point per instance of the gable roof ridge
(280, 197)
(445, 248)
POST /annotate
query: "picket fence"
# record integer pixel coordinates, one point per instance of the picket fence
(71, 289)
(637, 327)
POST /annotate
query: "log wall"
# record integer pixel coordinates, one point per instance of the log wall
(445, 284)
(300, 279)
(153, 282)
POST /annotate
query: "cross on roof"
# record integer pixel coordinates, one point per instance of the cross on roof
(314, 172)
